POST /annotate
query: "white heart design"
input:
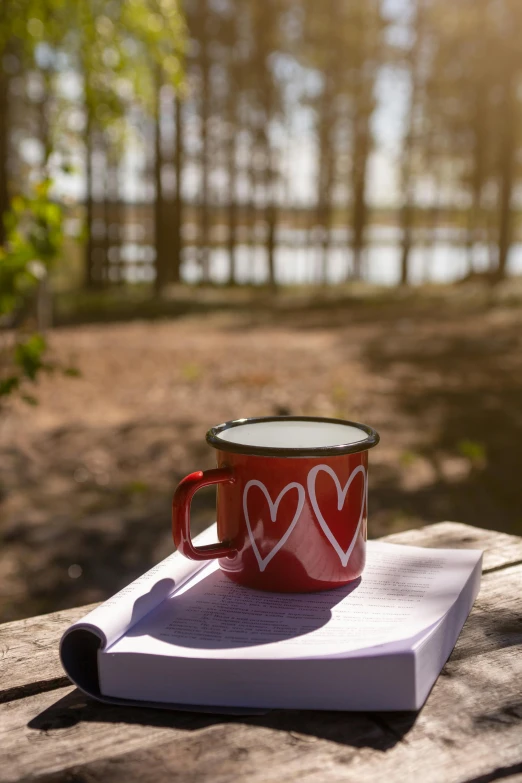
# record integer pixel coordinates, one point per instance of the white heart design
(264, 561)
(341, 497)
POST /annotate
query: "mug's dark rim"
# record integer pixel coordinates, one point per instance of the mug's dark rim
(371, 440)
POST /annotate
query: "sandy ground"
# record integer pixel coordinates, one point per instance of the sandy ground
(86, 476)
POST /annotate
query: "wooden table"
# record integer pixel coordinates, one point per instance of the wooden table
(469, 730)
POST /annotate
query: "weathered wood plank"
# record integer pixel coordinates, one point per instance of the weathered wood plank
(260, 754)
(54, 733)
(471, 725)
(495, 622)
(29, 660)
(500, 549)
(443, 744)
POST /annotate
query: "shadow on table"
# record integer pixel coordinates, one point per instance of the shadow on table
(357, 730)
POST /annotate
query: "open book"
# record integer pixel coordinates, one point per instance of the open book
(184, 635)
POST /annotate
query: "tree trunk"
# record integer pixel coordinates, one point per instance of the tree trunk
(271, 221)
(269, 175)
(232, 208)
(90, 280)
(270, 208)
(4, 151)
(471, 228)
(251, 207)
(118, 217)
(159, 228)
(507, 170)
(406, 221)
(477, 173)
(325, 176)
(232, 178)
(43, 117)
(204, 252)
(177, 243)
(408, 210)
(359, 207)
(112, 269)
(107, 220)
(366, 21)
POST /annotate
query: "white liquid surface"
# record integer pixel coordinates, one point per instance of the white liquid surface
(293, 434)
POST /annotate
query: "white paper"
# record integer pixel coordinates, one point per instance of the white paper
(404, 590)
(122, 611)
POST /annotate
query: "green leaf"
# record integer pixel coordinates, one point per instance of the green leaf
(29, 399)
(9, 385)
(28, 355)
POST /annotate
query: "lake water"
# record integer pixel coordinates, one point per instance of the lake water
(298, 259)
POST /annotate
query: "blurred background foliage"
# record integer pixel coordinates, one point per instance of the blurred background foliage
(322, 175)
(231, 141)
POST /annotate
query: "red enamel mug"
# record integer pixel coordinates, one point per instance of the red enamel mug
(292, 502)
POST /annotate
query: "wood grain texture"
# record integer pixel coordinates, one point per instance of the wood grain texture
(29, 660)
(470, 729)
(500, 549)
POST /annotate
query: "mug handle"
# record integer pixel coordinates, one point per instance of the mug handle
(181, 514)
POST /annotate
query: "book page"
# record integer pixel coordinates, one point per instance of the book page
(115, 616)
(403, 591)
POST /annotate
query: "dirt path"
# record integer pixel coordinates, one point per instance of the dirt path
(86, 477)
